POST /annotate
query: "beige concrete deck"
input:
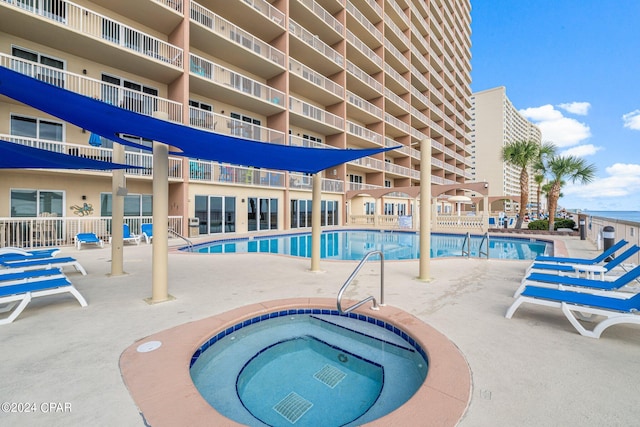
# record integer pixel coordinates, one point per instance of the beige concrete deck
(532, 370)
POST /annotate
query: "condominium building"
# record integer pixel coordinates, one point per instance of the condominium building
(496, 123)
(315, 73)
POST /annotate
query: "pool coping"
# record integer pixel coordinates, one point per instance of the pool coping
(161, 387)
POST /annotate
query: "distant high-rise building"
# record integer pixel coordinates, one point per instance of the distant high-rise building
(496, 123)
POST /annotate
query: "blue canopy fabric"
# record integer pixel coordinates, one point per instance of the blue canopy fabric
(110, 122)
(18, 156)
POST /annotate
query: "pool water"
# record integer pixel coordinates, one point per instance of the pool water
(308, 368)
(396, 245)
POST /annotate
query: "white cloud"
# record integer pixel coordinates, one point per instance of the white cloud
(623, 181)
(581, 150)
(555, 127)
(632, 120)
(579, 108)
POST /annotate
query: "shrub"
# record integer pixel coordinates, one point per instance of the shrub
(564, 223)
(539, 224)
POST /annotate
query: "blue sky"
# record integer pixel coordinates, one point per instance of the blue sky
(573, 68)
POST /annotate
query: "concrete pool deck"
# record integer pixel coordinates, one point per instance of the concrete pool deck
(533, 370)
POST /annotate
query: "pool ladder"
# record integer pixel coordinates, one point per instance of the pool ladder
(175, 233)
(353, 276)
(466, 243)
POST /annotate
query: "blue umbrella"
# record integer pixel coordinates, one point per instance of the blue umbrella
(95, 140)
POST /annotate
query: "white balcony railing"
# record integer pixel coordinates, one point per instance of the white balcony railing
(318, 114)
(128, 99)
(225, 125)
(99, 26)
(314, 77)
(314, 41)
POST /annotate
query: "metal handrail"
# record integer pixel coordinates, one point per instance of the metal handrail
(353, 276)
(484, 238)
(467, 242)
(175, 233)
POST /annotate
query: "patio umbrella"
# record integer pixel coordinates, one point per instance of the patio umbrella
(459, 200)
(95, 140)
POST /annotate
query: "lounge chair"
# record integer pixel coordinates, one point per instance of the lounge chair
(128, 236)
(15, 276)
(492, 222)
(147, 232)
(576, 269)
(13, 252)
(581, 305)
(609, 252)
(17, 296)
(578, 284)
(42, 263)
(88, 239)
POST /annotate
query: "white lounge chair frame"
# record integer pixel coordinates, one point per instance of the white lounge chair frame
(17, 302)
(80, 242)
(44, 263)
(586, 313)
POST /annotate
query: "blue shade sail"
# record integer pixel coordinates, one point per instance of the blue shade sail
(18, 156)
(110, 122)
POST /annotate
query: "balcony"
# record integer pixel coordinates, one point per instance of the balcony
(216, 173)
(367, 164)
(362, 55)
(362, 27)
(316, 19)
(362, 83)
(309, 49)
(362, 137)
(259, 17)
(310, 117)
(58, 23)
(131, 100)
(362, 110)
(160, 15)
(313, 85)
(220, 38)
(133, 158)
(216, 81)
(225, 125)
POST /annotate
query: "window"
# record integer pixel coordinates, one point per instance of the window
(48, 74)
(262, 214)
(301, 213)
(245, 126)
(31, 127)
(200, 114)
(32, 203)
(129, 95)
(216, 214)
(134, 205)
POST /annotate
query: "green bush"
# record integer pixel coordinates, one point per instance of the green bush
(564, 223)
(543, 224)
(539, 224)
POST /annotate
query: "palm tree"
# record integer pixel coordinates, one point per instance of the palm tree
(522, 154)
(561, 168)
(539, 168)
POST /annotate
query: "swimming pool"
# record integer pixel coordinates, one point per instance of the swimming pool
(309, 367)
(396, 245)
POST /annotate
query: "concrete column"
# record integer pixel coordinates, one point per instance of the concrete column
(118, 187)
(316, 221)
(425, 210)
(160, 249)
(485, 213)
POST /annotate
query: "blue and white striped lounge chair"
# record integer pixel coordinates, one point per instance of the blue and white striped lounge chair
(147, 232)
(579, 284)
(43, 263)
(612, 250)
(579, 305)
(575, 269)
(15, 297)
(88, 239)
(13, 252)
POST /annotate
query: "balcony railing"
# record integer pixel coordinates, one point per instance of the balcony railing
(102, 27)
(116, 95)
(214, 172)
(364, 133)
(144, 160)
(324, 15)
(314, 41)
(51, 230)
(364, 105)
(364, 77)
(318, 114)
(364, 49)
(234, 80)
(225, 125)
(314, 77)
(237, 35)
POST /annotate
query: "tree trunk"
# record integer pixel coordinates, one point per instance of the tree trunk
(524, 195)
(554, 195)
